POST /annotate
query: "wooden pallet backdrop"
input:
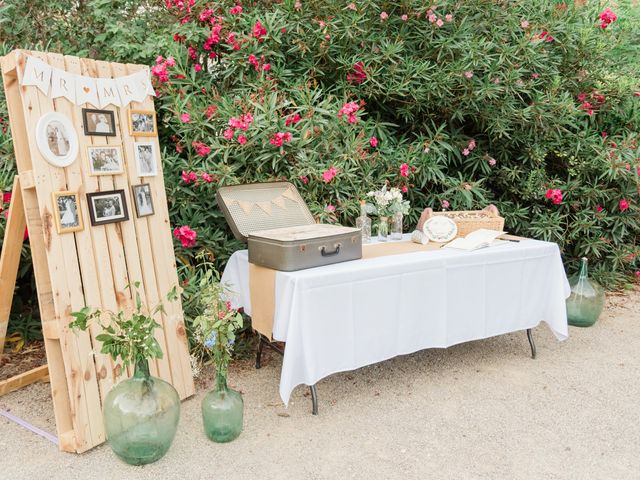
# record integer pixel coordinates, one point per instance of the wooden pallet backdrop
(93, 266)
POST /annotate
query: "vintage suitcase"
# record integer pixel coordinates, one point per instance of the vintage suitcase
(280, 231)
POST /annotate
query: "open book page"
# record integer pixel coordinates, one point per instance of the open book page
(478, 239)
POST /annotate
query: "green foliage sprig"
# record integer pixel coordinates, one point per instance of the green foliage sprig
(129, 337)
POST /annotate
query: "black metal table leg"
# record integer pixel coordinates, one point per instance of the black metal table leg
(531, 343)
(259, 353)
(314, 400)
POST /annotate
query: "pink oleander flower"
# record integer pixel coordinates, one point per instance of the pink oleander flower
(171, 62)
(279, 138)
(373, 141)
(607, 17)
(352, 6)
(492, 162)
(330, 208)
(185, 117)
(599, 208)
(472, 144)
(623, 204)
(404, 17)
(237, 10)
(242, 139)
(433, 18)
(404, 189)
(524, 24)
(292, 119)
(468, 74)
(186, 235)
(535, 76)
(404, 170)
(329, 174)
(439, 22)
(358, 75)
(349, 109)
(266, 67)
(206, 177)
(298, 5)
(228, 134)
(201, 149)
(445, 204)
(384, 16)
(637, 274)
(555, 195)
(550, 39)
(466, 152)
(197, 67)
(189, 177)
(258, 31)
(304, 179)
(448, 17)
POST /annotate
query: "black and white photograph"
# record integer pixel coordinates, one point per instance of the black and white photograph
(142, 199)
(146, 163)
(66, 206)
(57, 139)
(105, 160)
(107, 207)
(142, 123)
(99, 122)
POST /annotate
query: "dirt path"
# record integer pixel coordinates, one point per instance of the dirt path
(482, 410)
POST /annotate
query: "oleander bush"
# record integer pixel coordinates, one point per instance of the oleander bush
(533, 106)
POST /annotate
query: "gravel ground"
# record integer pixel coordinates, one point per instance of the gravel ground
(481, 410)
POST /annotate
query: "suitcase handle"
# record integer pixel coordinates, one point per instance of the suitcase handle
(324, 253)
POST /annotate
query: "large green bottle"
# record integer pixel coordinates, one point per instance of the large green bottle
(141, 417)
(222, 412)
(586, 301)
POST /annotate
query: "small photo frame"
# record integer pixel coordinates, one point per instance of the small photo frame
(67, 213)
(107, 207)
(57, 139)
(100, 123)
(142, 123)
(105, 159)
(146, 159)
(142, 200)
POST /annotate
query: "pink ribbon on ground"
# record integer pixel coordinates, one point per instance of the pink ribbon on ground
(28, 426)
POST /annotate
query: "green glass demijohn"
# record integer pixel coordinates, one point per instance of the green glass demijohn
(141, 417)
(222, 412)
(586, 301)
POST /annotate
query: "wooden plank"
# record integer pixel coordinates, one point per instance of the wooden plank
(63, 266)
(26, 180)
(24, 379)
(59, 389)
(10, 256)
(165, 268)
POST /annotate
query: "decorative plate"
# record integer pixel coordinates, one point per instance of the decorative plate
(440, 229)
(57, 139)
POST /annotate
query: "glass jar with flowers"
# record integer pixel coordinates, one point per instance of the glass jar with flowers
(388, 204)
(141, 413)
(222, 407)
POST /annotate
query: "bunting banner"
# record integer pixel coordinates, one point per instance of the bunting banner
(267, 206)
(81, 89)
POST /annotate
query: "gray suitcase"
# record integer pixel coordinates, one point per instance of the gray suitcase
(280, 231)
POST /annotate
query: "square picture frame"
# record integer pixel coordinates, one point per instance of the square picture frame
(107, 207)
(142, 200)
(146, 157)
(142, 123)
(99, 123)
(67, 211)
(105, 159)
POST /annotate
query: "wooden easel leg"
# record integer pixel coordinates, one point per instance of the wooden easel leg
(10, 256)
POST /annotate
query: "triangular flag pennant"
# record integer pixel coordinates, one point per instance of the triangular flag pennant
(63, 84)
(265, 206)
(278, 201)
(37, 73)
(108, 92)
(290, 195)
(142, 85)
(245, 206)
(86, 91)
(128, 89)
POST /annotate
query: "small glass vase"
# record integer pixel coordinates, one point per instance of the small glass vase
(222, 412)
(141, 417)
(383, 229)
(586, 301)
(396, 226)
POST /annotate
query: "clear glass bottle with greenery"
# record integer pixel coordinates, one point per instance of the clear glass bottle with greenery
(216, 326)
(141, 413)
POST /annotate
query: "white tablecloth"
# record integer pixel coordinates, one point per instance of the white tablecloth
(345, 316)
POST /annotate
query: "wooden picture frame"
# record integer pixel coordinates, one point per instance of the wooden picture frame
(103, 162)
(74, 223)
(94, 127)
(107, 207)
(140, 121)
(143, 200)
(146, 158)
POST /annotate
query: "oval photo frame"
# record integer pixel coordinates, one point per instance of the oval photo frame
(440, 229)
(57, 140)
